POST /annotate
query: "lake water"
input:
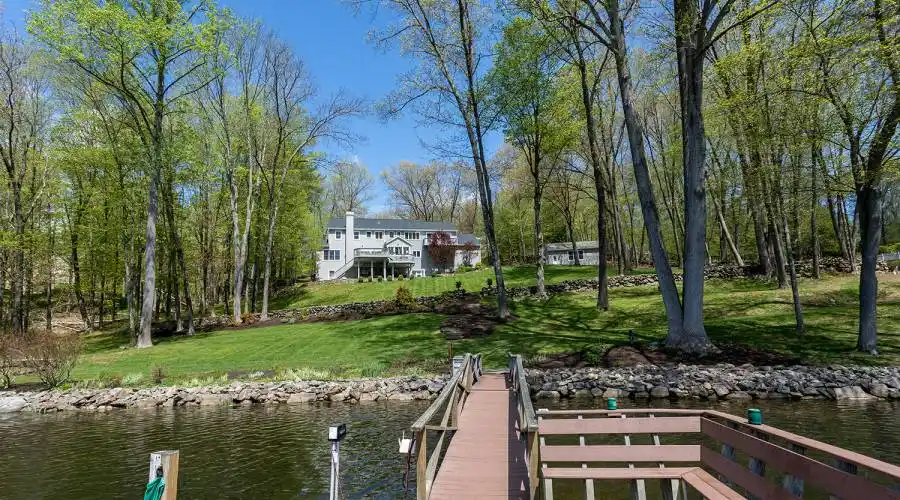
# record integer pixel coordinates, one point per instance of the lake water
(280, 451)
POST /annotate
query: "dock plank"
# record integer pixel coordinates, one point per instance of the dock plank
(486, 458)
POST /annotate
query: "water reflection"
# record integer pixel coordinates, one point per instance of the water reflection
(280, 452)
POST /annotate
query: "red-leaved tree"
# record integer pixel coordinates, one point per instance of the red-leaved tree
(441, 249)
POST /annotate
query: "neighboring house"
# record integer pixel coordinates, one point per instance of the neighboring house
(564, 254)
(360, 248)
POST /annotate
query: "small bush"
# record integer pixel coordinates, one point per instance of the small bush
(464, 269)
(8, 356)
(490, 283)
(379, 279)
(51, 356)
(400, 278)
(158, 375)
(478, 266)
(248, 318)
(459, 285)
(360, 279)
(404, 298)
(370, 279)
(390, 278)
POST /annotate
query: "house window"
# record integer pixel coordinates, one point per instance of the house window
(391, 234)
(379, 235)
(417, 253)
(405, 250)
(331, 274)
(332, 255)
(571, 255)
(355, 235)
(581, 254)
(337, 235)
(368, 234)
(412, 236)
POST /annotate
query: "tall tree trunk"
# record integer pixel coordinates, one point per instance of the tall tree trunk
(476, 142)
(642, 178)
(50, 251)
(596, 168)
(727, 235)
(689, 41)
(869, 194)
(273, 215)
(156, 162)
(813, 222)
(76, 272)
(538, 231)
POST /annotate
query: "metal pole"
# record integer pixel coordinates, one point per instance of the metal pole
(335, 469)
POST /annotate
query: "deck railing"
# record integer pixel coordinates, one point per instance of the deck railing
(527, 420)
(780, 464)
(449, 404)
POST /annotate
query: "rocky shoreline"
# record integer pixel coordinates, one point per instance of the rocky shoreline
(723, 381)
(238, 393)
(713, 382)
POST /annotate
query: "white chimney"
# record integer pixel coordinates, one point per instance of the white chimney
(349, 241)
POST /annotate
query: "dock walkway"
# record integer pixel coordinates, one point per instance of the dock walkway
(486, 454)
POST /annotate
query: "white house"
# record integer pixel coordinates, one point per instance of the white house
(360, 248)
(564, 254)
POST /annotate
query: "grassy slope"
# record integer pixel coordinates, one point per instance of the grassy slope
(743, 311)
(342, 292)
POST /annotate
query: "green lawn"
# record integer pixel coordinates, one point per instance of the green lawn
(342, 292)
(743, 311)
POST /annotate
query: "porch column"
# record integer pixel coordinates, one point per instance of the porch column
(371, 268)
(392, 271)
(384, 269)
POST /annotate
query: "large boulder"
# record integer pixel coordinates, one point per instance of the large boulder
(12, 404)
(852, 392)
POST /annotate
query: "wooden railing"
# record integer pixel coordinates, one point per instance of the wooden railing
(449, 404)
(527, 420)
(780, 464)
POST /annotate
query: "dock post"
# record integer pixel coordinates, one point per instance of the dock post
(421, 465)
(757, 466)
(533, 464)
(165, 464)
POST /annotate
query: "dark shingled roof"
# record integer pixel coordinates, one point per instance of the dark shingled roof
(391, 224)
(462, 239)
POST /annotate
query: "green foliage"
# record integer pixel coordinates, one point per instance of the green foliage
(459, 285)
(404, 298)
(748, 312)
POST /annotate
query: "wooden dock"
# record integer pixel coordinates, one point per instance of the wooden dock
(492, 444)
(486, 454)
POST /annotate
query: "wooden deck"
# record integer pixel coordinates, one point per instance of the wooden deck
(490, 443)
(486, 458)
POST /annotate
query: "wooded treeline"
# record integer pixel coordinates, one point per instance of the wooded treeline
(674, 134)
(160, 159)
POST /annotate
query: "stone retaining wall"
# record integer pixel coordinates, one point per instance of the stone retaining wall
(718, 382)
(641, 382)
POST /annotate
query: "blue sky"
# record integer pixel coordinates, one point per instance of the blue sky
(332, 40)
